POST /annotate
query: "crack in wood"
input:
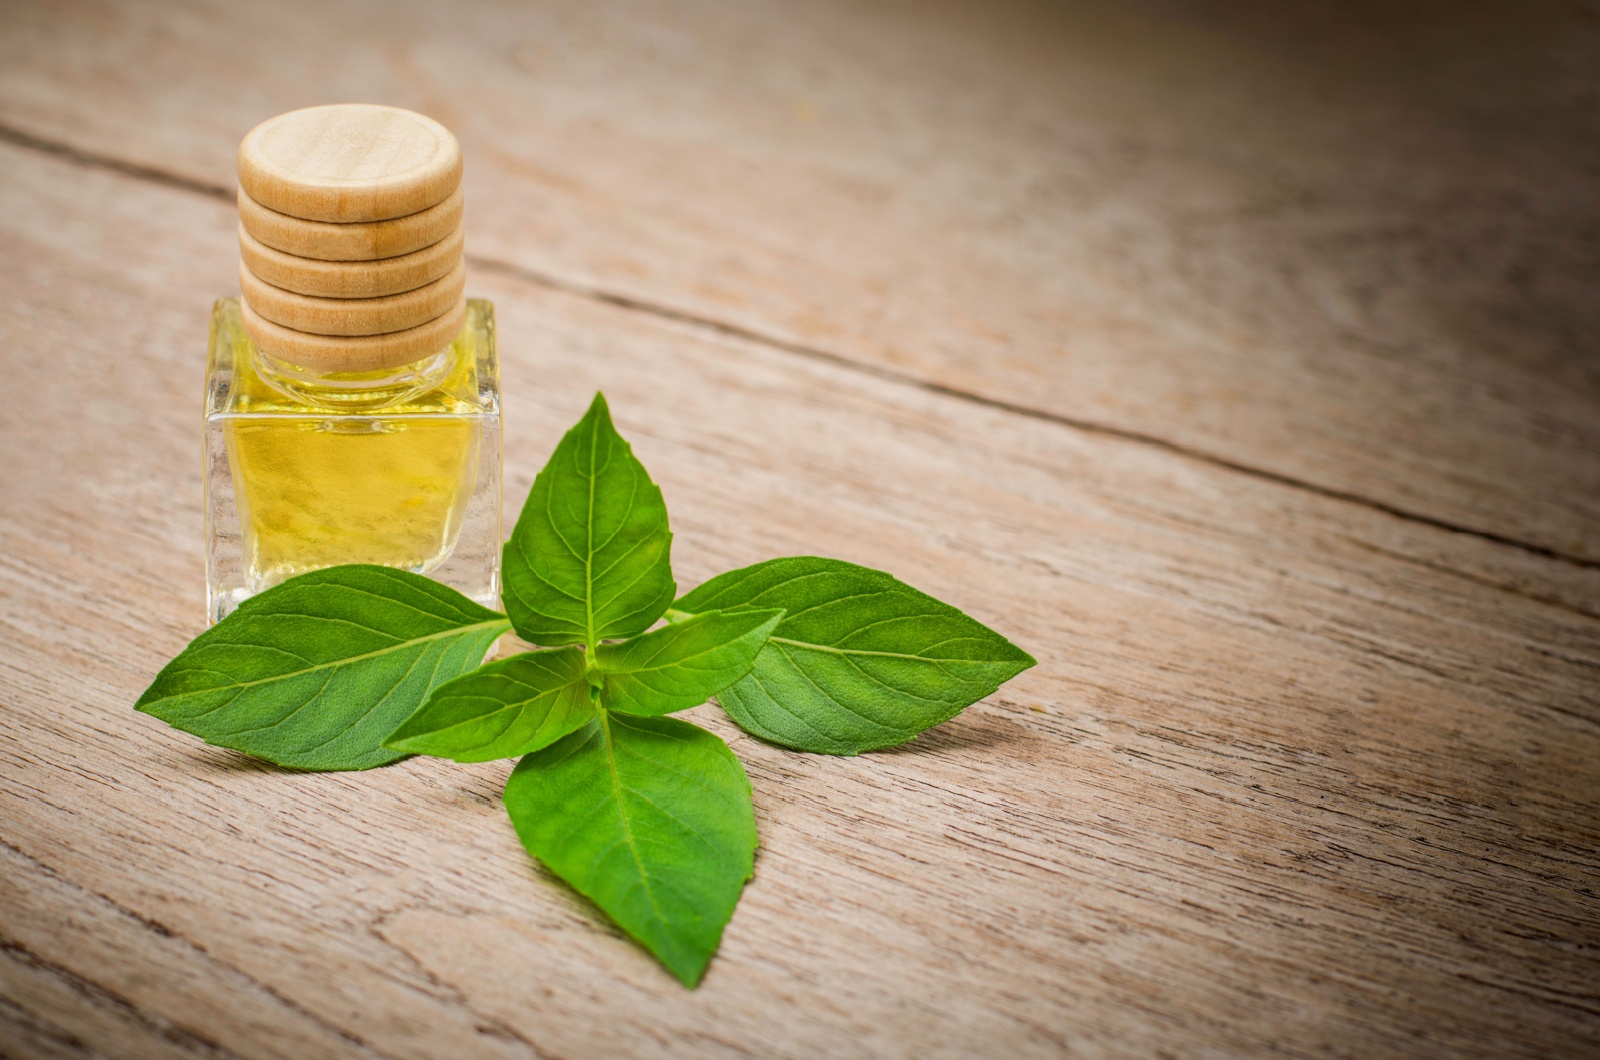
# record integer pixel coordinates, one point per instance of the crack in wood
(93, 159)
(27, 1020)
(482, 1023)
(101, 997)
(1441, 568)
(122, 1003)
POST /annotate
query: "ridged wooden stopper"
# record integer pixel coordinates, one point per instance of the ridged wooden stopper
(349, 162)
(353, 316)
(350, 279)
(350, 237)
(364, 353)
(354, 240)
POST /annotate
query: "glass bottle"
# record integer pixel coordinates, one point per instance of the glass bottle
(328, 440)
(307, 469)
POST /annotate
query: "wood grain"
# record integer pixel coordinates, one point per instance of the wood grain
(1281, 781)
(1295, 775)
(1350, 249)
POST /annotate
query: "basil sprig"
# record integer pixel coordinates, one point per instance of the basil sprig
(647, 816)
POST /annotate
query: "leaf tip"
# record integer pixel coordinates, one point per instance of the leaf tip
(689, 976)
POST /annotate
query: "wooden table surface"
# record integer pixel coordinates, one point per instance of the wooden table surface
(1240, 361)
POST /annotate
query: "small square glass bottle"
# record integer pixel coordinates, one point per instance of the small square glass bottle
(352, 392)
(307, 469)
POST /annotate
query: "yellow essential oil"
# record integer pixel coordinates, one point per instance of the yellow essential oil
(319, 492)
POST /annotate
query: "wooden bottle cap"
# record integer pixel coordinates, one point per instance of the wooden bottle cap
(350, 237)
(349, 162)
(352, 240)
(350, 279)
(361, 353)
(353, 316)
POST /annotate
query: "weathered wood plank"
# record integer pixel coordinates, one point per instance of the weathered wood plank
(1292, 775)
(112, 978)
(1353, 250)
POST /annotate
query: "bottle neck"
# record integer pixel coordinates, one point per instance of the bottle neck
(353, 391)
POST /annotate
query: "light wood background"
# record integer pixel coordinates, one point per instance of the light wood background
(1240, 361)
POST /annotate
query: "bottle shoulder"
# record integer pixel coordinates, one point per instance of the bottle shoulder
(463, 379)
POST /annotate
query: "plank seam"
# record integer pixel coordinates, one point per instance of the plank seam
(178, 181)
(744, 334)
(94, 160)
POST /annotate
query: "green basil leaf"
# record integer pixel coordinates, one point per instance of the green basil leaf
(502, 710)
(650, 819)
(682, 665)
(315, 672)
(589, 557)
(860, 660)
